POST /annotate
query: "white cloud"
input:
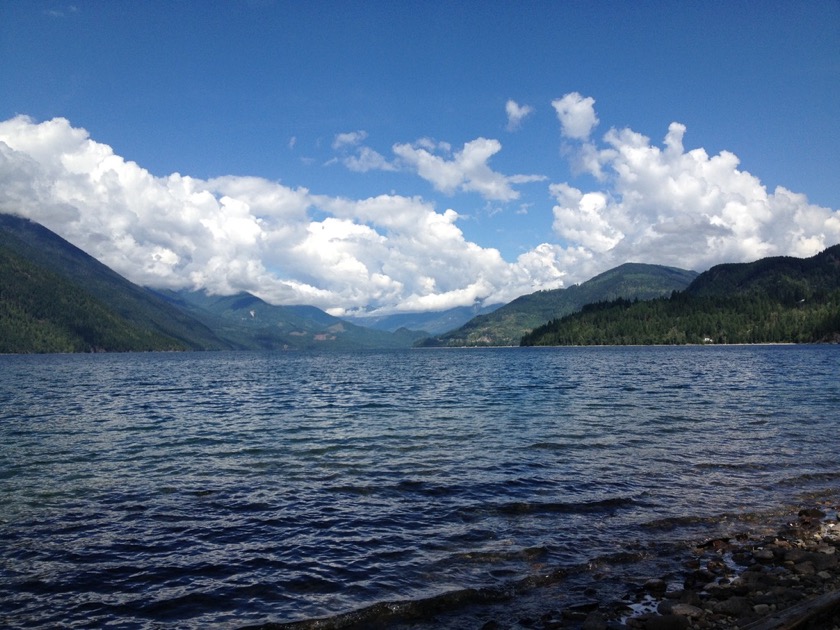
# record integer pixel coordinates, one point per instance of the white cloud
(349, 139)
(366, 159)
(467, 171)
(576, 114)
(363, 158)
(228, 234)
(659, 204)
(516, 113)
(683, 208)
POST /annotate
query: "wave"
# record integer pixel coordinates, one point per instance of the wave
(388, 614)
(385, 614)
(434, 609)
(713, 521)
(798, 480)
(518, 508)
(732, 466)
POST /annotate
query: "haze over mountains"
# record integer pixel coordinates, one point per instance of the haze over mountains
(506, 326)
(56, 298)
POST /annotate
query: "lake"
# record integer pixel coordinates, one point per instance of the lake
(424, 488)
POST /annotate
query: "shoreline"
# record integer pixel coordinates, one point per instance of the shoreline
(786, 580)
(782, 574)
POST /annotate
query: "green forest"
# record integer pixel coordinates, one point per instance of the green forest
(686, 319)
(506, 325)
(774, 300)
(56, 298)
(41, 311)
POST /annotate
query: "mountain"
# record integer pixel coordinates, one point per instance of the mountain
(773, 300)
(251, 323)
(432, 323)
(506, 325)
(56, 298)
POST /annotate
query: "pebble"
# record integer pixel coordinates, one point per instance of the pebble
(799, 564)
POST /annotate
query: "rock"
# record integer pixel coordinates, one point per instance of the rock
(795, 555)
(760, 577)
(579, 612)
(686, 610)
(655, 586)
(690, 597)
(734, 607)
(763, 554)
(666, 622)
(700, 578)
(595, 621)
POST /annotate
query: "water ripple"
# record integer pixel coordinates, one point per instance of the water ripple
(233, 489)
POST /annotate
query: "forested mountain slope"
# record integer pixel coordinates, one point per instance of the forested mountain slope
(506, 325)
(773, 300)
(56, 298)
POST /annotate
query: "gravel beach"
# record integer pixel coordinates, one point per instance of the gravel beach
(787, 580)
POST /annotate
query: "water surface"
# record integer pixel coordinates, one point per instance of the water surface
(228, 489)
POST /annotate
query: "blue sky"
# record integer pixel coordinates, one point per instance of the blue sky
(320, 145)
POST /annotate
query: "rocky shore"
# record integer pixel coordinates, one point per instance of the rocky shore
(784, 581)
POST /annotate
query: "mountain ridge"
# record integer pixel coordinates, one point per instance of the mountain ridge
(61, 269)
(507, 324)
(779, 299)
(54, 297)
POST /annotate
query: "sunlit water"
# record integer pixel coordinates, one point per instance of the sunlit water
(225, 489)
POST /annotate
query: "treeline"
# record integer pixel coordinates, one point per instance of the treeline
(773, 300)
(506, 325)
(688, 319)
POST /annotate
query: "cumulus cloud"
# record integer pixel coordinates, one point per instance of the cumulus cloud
(228, 234)
(657, 203)
(516, 113)
(683, 208)
(576, 114)
(467, 171)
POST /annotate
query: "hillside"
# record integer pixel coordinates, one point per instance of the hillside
(773, 300)
(252, 323)
(506, 325)
(56, 298)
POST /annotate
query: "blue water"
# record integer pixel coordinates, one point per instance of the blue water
(232, 489)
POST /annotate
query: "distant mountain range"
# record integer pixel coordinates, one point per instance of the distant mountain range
(56, 298)
(433, 322)
(247, 322)
(505, 326)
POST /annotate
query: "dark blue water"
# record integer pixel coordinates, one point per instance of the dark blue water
(225, 490)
